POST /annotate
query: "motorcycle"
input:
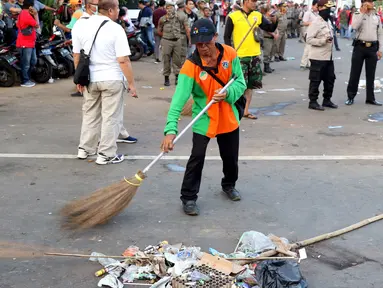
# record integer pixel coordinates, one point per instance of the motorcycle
(63, 58)
(136, 46)
(9, 67)
(45, 63)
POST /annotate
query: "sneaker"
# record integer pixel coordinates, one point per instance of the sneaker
(157, 61)
(232, 193)
(129, 140)
(103, 160)
(190, 208)
(28, 84)
(83, 154)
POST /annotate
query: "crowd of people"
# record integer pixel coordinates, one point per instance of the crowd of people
(183, 36)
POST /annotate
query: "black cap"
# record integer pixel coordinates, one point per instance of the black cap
(202, 31)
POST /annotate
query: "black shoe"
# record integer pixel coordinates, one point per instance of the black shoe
(176, 79)
(316, 106)
(167, 81)
(277, 59)
(329, 104)
(288, 36)
(282, 59)
(190, 208)
(232, 193)
(338, 49)
(349, 102)
(76, 94)
(267, 68)
(150, 53)
(373, 102)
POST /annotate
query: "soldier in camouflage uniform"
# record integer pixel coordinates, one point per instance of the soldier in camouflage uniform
(269, 39)
(185, 30)
(169, 28)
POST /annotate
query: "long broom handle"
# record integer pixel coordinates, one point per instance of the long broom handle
(190, 124)
(247, 34)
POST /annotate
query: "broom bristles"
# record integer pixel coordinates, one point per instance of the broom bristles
(102, 205)
(187, 110)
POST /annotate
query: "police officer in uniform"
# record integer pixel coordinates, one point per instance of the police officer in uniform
(367, 48)
(269, 39)
(282, 30)
(320, 38)
(185, 30)
(290, 16)
(169, 28)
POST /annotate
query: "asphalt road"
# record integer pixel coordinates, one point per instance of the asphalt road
(293, 199)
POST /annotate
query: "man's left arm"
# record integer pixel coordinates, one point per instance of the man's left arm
(267, 25)
(236, 90)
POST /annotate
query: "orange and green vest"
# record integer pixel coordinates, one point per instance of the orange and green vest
(249, 47)
(193, 80)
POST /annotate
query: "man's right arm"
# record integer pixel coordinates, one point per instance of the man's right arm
(228, 31)
(357, 20)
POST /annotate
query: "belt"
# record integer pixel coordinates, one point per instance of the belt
(173, 39)
(366, 43)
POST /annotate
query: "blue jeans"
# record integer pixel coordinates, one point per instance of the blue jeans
(148, 38)
(28, 61)
(343, 31)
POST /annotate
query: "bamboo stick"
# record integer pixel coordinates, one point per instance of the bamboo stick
(89, 256)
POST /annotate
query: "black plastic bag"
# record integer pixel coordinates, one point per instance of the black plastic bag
(279, 274)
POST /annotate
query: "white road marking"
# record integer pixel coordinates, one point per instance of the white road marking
(210, 158)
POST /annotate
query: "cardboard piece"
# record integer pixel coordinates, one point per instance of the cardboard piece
(220, 264)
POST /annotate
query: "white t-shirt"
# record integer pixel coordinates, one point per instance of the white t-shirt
(110, 44)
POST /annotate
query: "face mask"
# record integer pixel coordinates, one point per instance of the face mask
(325, 14)
(96, 6)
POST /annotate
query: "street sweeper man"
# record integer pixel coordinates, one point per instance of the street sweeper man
(211, 66)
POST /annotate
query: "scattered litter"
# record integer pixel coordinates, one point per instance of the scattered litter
(284, 78)
(280, 274)
(290, 58)
(302, 254)
(282, 90)
(254, 242)
(260, 92)
(335, 127)
(275, 107)
(147, 87)
(377, 84)
(50, 213)
(377, 91)
(319, 256)
(175, 168)
(337, 58)
(376, 117)
(162, 88)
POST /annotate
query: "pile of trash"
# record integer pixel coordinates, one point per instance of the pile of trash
(176, 266)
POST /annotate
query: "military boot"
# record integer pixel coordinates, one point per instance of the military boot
(176, 79)
(267, 68)
(167, 81)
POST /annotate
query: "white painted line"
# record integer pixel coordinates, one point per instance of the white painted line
(211, 158)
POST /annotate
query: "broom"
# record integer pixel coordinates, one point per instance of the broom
(107, 202)
(187, 109)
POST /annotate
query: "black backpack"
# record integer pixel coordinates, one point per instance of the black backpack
(82, 73)
(196, 59)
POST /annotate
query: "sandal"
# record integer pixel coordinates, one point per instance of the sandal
(250, 116)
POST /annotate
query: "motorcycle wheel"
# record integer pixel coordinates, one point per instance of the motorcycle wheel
(136, 50)
(8, 75)
(64, 68)
(42, 72)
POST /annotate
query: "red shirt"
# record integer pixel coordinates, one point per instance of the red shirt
(24, 21)
(157, 14)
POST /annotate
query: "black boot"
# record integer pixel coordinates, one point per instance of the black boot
(315, 106)
(167, 81)
(267, 68)
(176, 79)
(328, 103)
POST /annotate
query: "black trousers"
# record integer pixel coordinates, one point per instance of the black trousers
(360, 55)
(228, 149)
(321, 71)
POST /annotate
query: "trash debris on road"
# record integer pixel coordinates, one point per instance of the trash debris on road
(337, 58)
(290, 58)
(147, 87)
(335, 127)
(260, 92)
(376, 117)
(280, 274)
(377, 84)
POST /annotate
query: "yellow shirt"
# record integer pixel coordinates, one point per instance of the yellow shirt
(241, 26)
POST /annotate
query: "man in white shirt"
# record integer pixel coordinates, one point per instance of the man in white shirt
(103, 98)
(308, 18)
